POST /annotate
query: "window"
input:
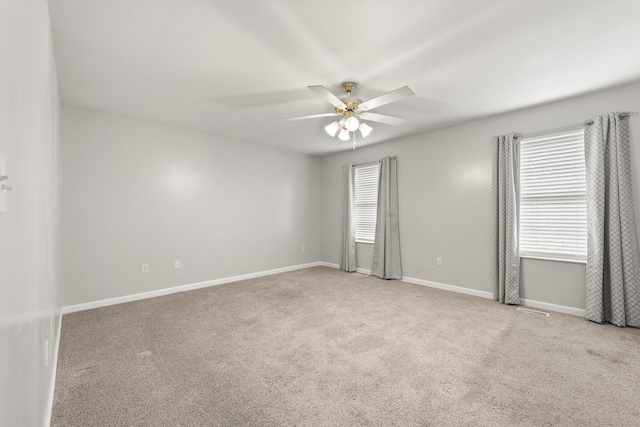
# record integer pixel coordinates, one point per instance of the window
(366, 201)
(553, 196)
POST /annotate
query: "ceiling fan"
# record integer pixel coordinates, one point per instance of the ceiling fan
(354, 111)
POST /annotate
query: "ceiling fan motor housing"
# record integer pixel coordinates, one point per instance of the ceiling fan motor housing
(352, 106)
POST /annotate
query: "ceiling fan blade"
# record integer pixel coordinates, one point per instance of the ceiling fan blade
(313, 116)
(331, 98)
(387, 98)
(381, 118)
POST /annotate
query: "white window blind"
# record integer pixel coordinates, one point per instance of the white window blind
(366, 202)
(553, 189)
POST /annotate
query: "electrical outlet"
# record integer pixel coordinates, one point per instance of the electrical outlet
(439, 261)
(145, 268)
(176, 263)
(3, 192)
(302, 248)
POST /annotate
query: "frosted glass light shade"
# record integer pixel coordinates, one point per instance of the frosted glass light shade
(352, 124)
(332, 128)
(344, 134)
(365, 129)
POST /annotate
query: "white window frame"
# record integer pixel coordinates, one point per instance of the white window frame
(553, 200)
(366, 177)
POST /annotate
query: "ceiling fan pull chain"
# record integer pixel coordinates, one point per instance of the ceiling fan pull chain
(354, 140)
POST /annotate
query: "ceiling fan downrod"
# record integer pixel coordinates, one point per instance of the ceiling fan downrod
(349, 102)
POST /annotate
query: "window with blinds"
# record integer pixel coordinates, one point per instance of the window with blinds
(553, 203)
(366, 202)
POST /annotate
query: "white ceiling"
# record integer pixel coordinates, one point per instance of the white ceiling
(238, 68)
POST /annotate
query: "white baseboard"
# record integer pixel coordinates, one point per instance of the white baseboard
(468, 291)
(328, 264)
(458, 289)
(337, 266)
(482, 294)
(553, 307)
(54, 371)
(144, 295)
(489, 295)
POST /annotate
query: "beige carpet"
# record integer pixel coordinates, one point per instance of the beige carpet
(320, 347)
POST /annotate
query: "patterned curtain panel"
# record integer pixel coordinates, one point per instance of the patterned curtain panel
(506, 190)
(613, 266)
(386, 249)
(348, 261)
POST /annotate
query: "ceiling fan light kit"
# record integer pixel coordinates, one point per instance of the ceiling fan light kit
(365, 129)
(352, 124)
(332, 128)
(354, 111)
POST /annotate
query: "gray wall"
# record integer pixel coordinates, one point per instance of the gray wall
(445, 198)
(29, 310)
(136, 192)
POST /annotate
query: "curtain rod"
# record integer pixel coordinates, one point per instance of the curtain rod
(569, 128)
(590, 122)
(367, 164)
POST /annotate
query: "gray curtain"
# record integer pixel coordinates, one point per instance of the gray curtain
(613, 267)
(506, 191)
(386, 249)
(348, 261)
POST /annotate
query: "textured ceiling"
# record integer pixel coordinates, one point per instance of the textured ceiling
(238, 68)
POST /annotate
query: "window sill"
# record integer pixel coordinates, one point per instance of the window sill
(572, 261)
(362, 241)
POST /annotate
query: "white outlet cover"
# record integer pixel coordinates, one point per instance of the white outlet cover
(3, 193)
